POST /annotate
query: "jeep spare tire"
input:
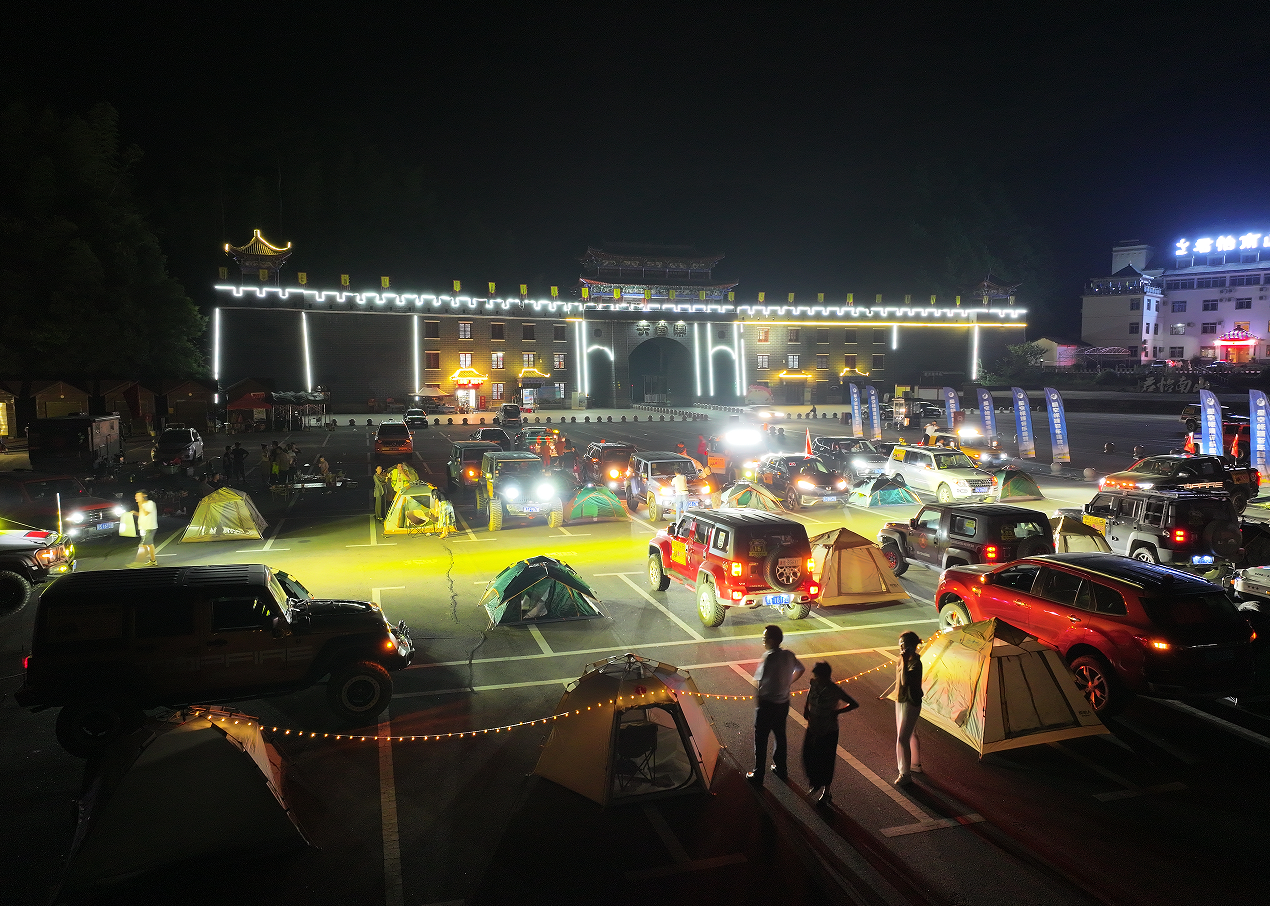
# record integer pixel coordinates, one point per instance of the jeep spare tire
(87, 728)
(783, 568)
(359, 691)
(1222, 539)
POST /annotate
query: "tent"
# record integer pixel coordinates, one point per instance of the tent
(994, 687)
(851, 570)
(202, 786)
(881, 490)
(1073, 536)
(757, 394)
(225, 515)
(1015, 484)
(635, 729)
(595, 503)
(750, 496)
(419, 510)
(539, 590)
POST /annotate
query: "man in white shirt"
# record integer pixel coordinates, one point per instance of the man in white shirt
(777, 671)
(147, 513)
(679, 489)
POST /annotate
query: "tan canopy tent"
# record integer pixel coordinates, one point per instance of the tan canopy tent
(635, 729)
(852, 570)
(419, 510)
(225, 515)
(203, 786)
(1073, 536)
(994, 687)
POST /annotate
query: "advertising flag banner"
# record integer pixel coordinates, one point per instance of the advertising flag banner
(1058, 425)
(1212, 442)
(224, 273)
(491, 289)
(555, 292)
(987, 414)
(524, 289)
(458, 286)
(384, 283)
(875, 414)
(952, 403)
(857, 420)
(343, 279)
(264, 274)
(1023, 423)
(304, 278)
(1260, 431)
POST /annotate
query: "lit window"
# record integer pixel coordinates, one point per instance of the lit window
(791, 361)
(557, 361)
(496, 361)
(527, 359)
(465, 330)
(465, 360)
(764, 334)
(1177, 330)
(496, 391)
(763, 359)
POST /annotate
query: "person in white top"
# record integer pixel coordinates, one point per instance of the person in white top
(147, 513)
(776, 672)
(679, 489)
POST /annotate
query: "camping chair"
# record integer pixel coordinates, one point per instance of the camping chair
(417, 522)
(636, 753)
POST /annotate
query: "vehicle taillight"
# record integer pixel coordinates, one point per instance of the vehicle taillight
(26, 661)
(813, 589)
(811, 564)
(990, 552)
(390, 645)
(736, 595)
(736, 567)
(1160, 645)
(1179, 535)
(471, 473)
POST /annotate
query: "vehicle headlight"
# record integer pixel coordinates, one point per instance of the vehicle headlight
(805, 485)
(511, 493)
(75, 517)
(613, 473)
(546, 491)
(962, 485)
(841, 485)
(119, 511)
(1146, 485)
(706, 488)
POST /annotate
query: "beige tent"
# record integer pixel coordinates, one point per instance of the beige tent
(225, 515)
(994, 687)
(419, 510)
(635, 729)
(851, 570)
(1073, 536)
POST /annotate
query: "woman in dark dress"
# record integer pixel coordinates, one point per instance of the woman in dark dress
(820, 745)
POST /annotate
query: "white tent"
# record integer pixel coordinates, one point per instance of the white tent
(852, 570)
(635, 729)
(994, 687)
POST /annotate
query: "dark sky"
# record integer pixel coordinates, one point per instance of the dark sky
(774, 134)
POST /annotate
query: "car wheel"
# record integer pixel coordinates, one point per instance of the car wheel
(1097, 683)
(495, 515)
(654, 509)
(632, 499)
(796, 611)
(954, 613)
(894, 559)
(1239, 500)
(15, 592)
(792, 503)
(709, 609)
(1146, 553)
(1192, 426)
(556, 519)
(87, 728)
(359, 691)
(657, 578)
(481, 500)
(944, 494)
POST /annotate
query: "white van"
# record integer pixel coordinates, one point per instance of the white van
(949, 474)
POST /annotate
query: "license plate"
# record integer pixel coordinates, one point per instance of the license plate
(531, 508)
(981, 490)
(106, 526)
(1219, 654)
(777, 599)
(831, 500)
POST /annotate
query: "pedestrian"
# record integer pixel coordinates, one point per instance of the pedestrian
(681, 449)
(266, 465)
(239, 460)
(382, 490)
(324, 472)
(820, 744)
(679, 493)
(401, 478)
(931, 430)
(282, 465)
(908, 707)
(776, 672)
(702, 447)
(147, 513)
(812, 411)
(227, 461)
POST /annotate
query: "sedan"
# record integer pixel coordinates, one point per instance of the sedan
(852, 456)
(800, 480)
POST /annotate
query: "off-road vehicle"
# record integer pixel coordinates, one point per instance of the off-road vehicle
(28, 559)
(1189, 529)
(463, 468)
(956, 535)
(604, 465)
(854, 457)
(510, 417)
(648, 478)
(949, 474)
(736, 558)
(1190, 472)
(34, 500)
(516, 485)
(111, 643)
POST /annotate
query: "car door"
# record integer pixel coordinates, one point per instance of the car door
(1009, 595)
(1121, 523)
(697, 539)
(240, 651)
(679, 534)
(919, 470)
(924, 536)
(167, 644)
(1062, 602)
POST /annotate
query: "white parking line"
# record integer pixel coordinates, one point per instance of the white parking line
(538, 637)
(1131, 790)
(1242, 732)
(374, 537)
(662, 607)
(268, 544)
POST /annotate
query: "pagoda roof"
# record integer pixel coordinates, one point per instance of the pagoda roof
(686, 287)
(621, 254)
(259, 247)
(990, 287)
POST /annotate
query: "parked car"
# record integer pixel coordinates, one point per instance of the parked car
(178, 444)
(35, 499)
(735, 455)
(1193, 414)
(958, 534)
(463, 468)
(494, 436)
(1188, 529)
(1123, 625)
(854, 457)
(110, 643)
(736, 558)
(604, 465)
(648, 477)
(516, 485)
(393, 439)
(29, 559)
(1190, 472)
(416, 418)
(948, 474)
(510, 417)
(985, 453)
(800, 480)
(529, 438)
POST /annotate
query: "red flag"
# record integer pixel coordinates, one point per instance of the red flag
(809, 453)
(1234, 447)
(1189, 446)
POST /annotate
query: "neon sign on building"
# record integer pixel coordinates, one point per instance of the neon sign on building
(1210, 245)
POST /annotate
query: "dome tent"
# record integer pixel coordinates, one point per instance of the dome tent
(635, 729)
(750, 496)
(225, 515)
(594, 503)
(541, 590)
(419, 510)
(1015, 484)
(881, 490)
(851, 570)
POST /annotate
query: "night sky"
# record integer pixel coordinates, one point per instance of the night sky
(781, 136)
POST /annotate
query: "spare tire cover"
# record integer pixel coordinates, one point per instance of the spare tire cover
(1223, 539)
(1030, 547)
(783, 567)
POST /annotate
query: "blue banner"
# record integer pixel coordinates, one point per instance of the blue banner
(1058, 425)
(987, 414)
(857, 416)
(875, 414)
(1023, 423)
(1212, 443)
(952, 403)
(1260, 431)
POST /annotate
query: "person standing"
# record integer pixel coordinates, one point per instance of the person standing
(382, 490)
(703, 448)
(908, 707)
(227, 462)
(266, 466)
(777, 671)
(239, 459)
(679, 493)
(820, 744)
(282, 460)
(147, 513)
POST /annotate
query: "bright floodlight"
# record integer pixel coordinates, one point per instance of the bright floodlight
(742, 437)
(968, 432)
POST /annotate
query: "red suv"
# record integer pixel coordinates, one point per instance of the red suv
(1123, 625)
(736, 558)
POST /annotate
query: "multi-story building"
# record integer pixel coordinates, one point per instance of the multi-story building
(1209, 300)
(642, 324)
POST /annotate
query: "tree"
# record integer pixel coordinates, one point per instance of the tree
(84, 288)
(1021, 361)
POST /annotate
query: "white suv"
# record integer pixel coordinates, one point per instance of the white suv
(948, 474)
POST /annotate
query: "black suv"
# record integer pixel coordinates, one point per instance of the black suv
(494, 436)
(463, 468)
(28, 559)
(800, 480)
(516, 484)
(852, 456)
(948, 535)
(604, 465)
(1187, 529)
(111, 643)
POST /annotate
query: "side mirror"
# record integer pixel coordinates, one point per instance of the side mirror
(986, 578)
(912, 523)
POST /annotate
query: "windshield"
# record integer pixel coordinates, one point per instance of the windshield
(174, 436)
(953, 461)
(861, 446)
(1211, 609)
(474, 455)
(670, 469)
(811, 467)
(1160, 467)
(291, 585)
(1018, 531)
(49, 489)
(519, 467)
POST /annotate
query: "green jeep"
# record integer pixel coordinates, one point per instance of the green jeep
(515, 484)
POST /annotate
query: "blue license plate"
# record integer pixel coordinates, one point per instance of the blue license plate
(1202, 559)
(831, 500)
(981, 490)
(777, 599)
(106, 526)
(530, 508)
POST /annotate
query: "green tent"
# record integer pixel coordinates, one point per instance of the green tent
(881, 491)
(750, 496)
(1015, 484)
(539, 590)
(225, 515)
(595, 503)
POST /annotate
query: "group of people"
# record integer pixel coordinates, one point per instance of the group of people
(777, 671)
(387, 485)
